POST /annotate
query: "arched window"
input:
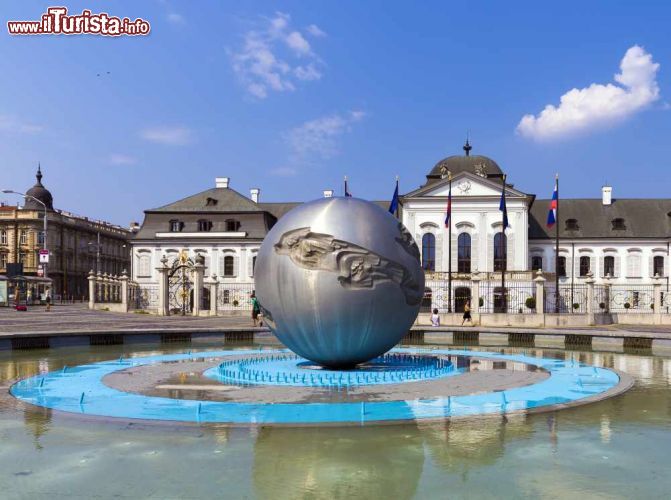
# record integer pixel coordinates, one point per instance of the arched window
(500, 252)
(464, 253)
(609, 265)
(229, 266)
(658, 265)
(584, 265)
(429, 252)
(536, 263)
(561, 266)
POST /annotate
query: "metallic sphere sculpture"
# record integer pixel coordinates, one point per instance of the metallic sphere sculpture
(339, 281)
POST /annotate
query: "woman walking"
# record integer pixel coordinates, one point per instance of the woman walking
(467, 313)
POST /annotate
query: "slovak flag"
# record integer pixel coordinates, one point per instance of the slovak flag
(449, 208)
(552, 213)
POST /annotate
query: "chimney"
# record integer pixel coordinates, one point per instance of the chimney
(134, 227)
(328, 193)
(221, 182)
(607, 195)
(254, 192)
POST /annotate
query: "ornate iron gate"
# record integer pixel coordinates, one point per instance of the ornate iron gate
(180, 286)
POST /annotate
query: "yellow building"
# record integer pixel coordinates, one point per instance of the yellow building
(77, 244)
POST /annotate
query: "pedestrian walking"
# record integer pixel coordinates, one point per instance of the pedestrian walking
(467, 313)
(256, 308)
(435, 318)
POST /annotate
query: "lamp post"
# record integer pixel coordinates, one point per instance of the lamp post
(44, 243)
(97, 245)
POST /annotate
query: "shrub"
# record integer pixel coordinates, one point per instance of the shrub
(236, 303)
(627, 305)
(652, 306)
(481, 301)
(576, 306)
(141, 311)
(530, 303)
(602, 305)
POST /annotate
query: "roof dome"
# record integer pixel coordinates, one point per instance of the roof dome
(478, 165)
(41, 193)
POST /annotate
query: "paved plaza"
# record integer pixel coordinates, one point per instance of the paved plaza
(78, 319)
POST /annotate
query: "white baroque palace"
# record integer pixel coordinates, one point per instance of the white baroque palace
(603, 241)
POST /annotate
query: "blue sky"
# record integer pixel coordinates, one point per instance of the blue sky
(291, 96)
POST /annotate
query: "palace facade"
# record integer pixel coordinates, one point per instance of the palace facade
(619, 241)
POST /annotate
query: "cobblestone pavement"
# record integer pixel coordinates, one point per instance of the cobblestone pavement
(77, 317)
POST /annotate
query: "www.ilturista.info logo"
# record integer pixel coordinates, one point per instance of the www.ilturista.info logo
(56, 21)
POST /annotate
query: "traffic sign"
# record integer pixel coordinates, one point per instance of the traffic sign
(44, 256)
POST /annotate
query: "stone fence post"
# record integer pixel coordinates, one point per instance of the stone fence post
(590, 298)
(124, 291)
(475, 297)
(92, 289)
(198, 273)
(540, 292)
(657, 305)
(163, 299)
(214, 285)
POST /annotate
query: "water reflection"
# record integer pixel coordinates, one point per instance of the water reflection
(352, 462)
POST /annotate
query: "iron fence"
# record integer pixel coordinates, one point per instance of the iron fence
(234, 296)
(568, 299)
(517, 297)
(632, 299)
(144, 297)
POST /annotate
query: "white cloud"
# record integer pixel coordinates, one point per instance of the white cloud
(173, 136)
(284, 172)
(598, 105)
(13, 124)
(267, 59)
(297, 43)
(121, 159)
(174, 18)
(315, 31)
(319, 138)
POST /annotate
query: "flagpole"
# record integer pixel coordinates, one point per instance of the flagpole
(449, 248)
(345, 186)
(557, 247)
(503, 237)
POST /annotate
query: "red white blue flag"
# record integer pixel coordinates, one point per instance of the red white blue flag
(449, 208)
(552, 213)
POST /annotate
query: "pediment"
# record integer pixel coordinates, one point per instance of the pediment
(465, 184)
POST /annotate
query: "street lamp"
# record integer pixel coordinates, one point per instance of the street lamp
(44, 243)
(97, 245)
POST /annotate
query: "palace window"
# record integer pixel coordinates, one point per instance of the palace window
(429, 252)
(500, 252)
(229, 266)
(144, 265)
(572, 224)
(232, 225)
(40, 238)
(618, 224)
(176, 226)
(3, 237)
(561, 266)
(3, 260)
(23, 237)
(253, 264)
(609, 265)
(464, 253)
(634, 266)
(536, 263)
(584, 265)
(210, 202)
(204, 225)
(658, 265)
(22, 258)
